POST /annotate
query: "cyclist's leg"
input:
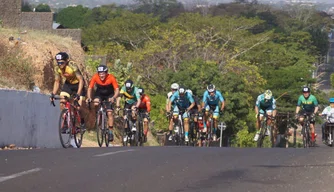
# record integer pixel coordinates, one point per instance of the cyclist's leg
(206, 116)
(312, 130)
(185, 117)
(174, 119)
(74, 89)
(110, 117)
(259, 118)
(65, 91)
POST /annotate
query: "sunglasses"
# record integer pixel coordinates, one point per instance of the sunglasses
(61, 62)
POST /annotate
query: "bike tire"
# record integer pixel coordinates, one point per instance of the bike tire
(305, 137)
(106, 130)
(66, 143)
(78, 135)
(140, 133)
(99, 128)
(262, 135)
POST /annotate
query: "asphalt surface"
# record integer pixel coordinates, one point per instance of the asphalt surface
(167, 169)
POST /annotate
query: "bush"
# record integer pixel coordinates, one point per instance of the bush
(15, 68)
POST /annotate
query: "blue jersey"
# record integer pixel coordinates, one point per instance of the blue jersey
(182, 102)
(212, 100)
(262, 104)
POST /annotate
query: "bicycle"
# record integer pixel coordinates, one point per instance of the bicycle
(101, 124)
(264, 129)
(329, 130)
(69, 123)
(202, 137)
(141, 136)
(307, 142)
(193, 129)
(130, 137)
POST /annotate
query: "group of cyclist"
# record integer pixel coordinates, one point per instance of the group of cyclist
(179, 100)
(107, 89)
(182, 101)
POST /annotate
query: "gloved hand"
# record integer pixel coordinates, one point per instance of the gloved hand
(296, 116)
(88, 100)
(76, 96)
(52, 97)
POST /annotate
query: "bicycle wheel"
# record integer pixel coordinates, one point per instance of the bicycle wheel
(305, 137)
(99, 124)
(262, 134)
(64, 128)
(140, 133)
(106, 129)
(78, 132)
(125, 134)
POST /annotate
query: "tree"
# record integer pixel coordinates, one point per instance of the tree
(73, 17)
(26, 7)
(43, 8)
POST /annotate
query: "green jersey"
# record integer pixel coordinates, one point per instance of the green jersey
(132, 97)
(308, 104)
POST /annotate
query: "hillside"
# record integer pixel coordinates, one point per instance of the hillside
(35, 50)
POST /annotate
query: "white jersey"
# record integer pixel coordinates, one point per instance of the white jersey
(329, 112)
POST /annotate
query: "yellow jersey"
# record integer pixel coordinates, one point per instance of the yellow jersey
(70, 73)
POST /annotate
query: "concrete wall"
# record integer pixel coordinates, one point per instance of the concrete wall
(37, 20)
(10, 13)
(28, 120)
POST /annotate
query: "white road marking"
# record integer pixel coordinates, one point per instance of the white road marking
(112, 153)
(2, 179)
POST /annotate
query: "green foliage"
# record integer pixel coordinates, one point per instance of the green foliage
(72, 17)
(257, 48)
(332, 80)
(43, 8)
(26, 7)
(158, 113)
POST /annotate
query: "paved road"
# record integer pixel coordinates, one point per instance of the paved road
(167, 169)
(324, 72)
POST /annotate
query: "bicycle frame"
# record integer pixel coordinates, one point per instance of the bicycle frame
(306, 131)
(263, 129)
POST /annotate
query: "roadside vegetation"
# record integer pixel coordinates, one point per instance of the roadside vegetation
(243, 49)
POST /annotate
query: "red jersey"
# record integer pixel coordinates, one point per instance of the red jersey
(145, 103)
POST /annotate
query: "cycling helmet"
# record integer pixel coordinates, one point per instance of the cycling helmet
(141, 91)
(268, 94)
(306, 90)
(175, 86)
(211, 88)
(331, 100)
(189, 91)
(128, 84)
(102, 68)
(62, 56)
(182, 90)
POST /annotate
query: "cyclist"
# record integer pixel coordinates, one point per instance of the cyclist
(132, 101)
(265, 103)
(106, 90)
(174, 87)
(74, 83)
(329, 112)
(307, 103)
(211, 99)
(182, 102)
(145, 106)
(193, 113)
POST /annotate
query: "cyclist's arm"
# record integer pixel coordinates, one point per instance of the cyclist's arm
(81, 81)
(116, 94)
(298, 104)
(222, 100)
(116, 87)
(148, 104)
(316, 105)
(274, 107)
(90, 87)
(169, 106)
(205, 95)
(118, 100)
(138, 98)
